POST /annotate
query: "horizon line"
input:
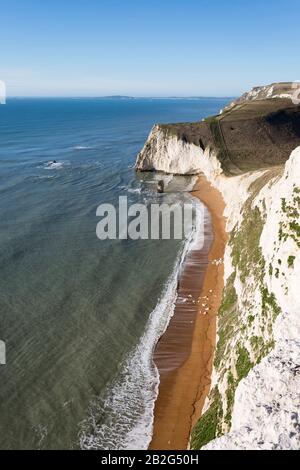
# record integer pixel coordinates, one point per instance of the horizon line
(130, 97)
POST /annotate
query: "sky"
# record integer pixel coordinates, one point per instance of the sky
(147, 48)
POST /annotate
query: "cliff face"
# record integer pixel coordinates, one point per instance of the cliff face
(170, 154)
(256, 374)
(253, 401)
(259, 403)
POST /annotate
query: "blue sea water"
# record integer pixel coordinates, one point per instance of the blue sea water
(80, 317)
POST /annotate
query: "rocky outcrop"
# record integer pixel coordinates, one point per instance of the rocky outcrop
(170, 154)
(283, 90)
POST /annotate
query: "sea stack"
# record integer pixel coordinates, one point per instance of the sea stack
(161, 186)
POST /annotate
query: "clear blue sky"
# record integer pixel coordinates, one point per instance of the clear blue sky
(147, 48)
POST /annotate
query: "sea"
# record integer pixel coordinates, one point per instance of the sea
(80, 317)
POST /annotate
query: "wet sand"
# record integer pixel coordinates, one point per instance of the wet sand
(184, 354)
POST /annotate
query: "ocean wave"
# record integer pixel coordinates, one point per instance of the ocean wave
(134, 190)
(126, 412)
(131, 190)
(41, 177)
(53, 165)
(198, 230)
(128, 408)
(83, 147)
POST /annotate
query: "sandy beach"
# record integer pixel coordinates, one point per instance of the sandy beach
(184, 354)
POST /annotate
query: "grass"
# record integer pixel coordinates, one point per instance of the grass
(207, 427)
(295, 227)
(283, 204)
(233, 360)
(269, 303)
(291, 261)
(227, 321)
(233, 134)
(243, 363)
(270, 269)
(230, 393)
(229, 296)
(248, 260)
(214, 124)
(292, 227)
(246, 253)
(257, 343)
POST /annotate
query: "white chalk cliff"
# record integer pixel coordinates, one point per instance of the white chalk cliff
(255, 393)
(167, 153)
(287, 90)
(266, 411)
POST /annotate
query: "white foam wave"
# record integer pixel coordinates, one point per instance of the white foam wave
(43, 177)
(198, 230)
(130, 401)
(126, 413)
(82, 147)
(135, 190)
(54, 165)
(130, 190)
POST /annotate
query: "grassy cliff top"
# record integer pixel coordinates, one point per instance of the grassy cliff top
(248, 136)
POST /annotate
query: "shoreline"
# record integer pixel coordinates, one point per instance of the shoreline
(184, 354)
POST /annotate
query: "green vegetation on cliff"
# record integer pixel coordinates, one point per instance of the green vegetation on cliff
(207, 428)
(244, 338)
